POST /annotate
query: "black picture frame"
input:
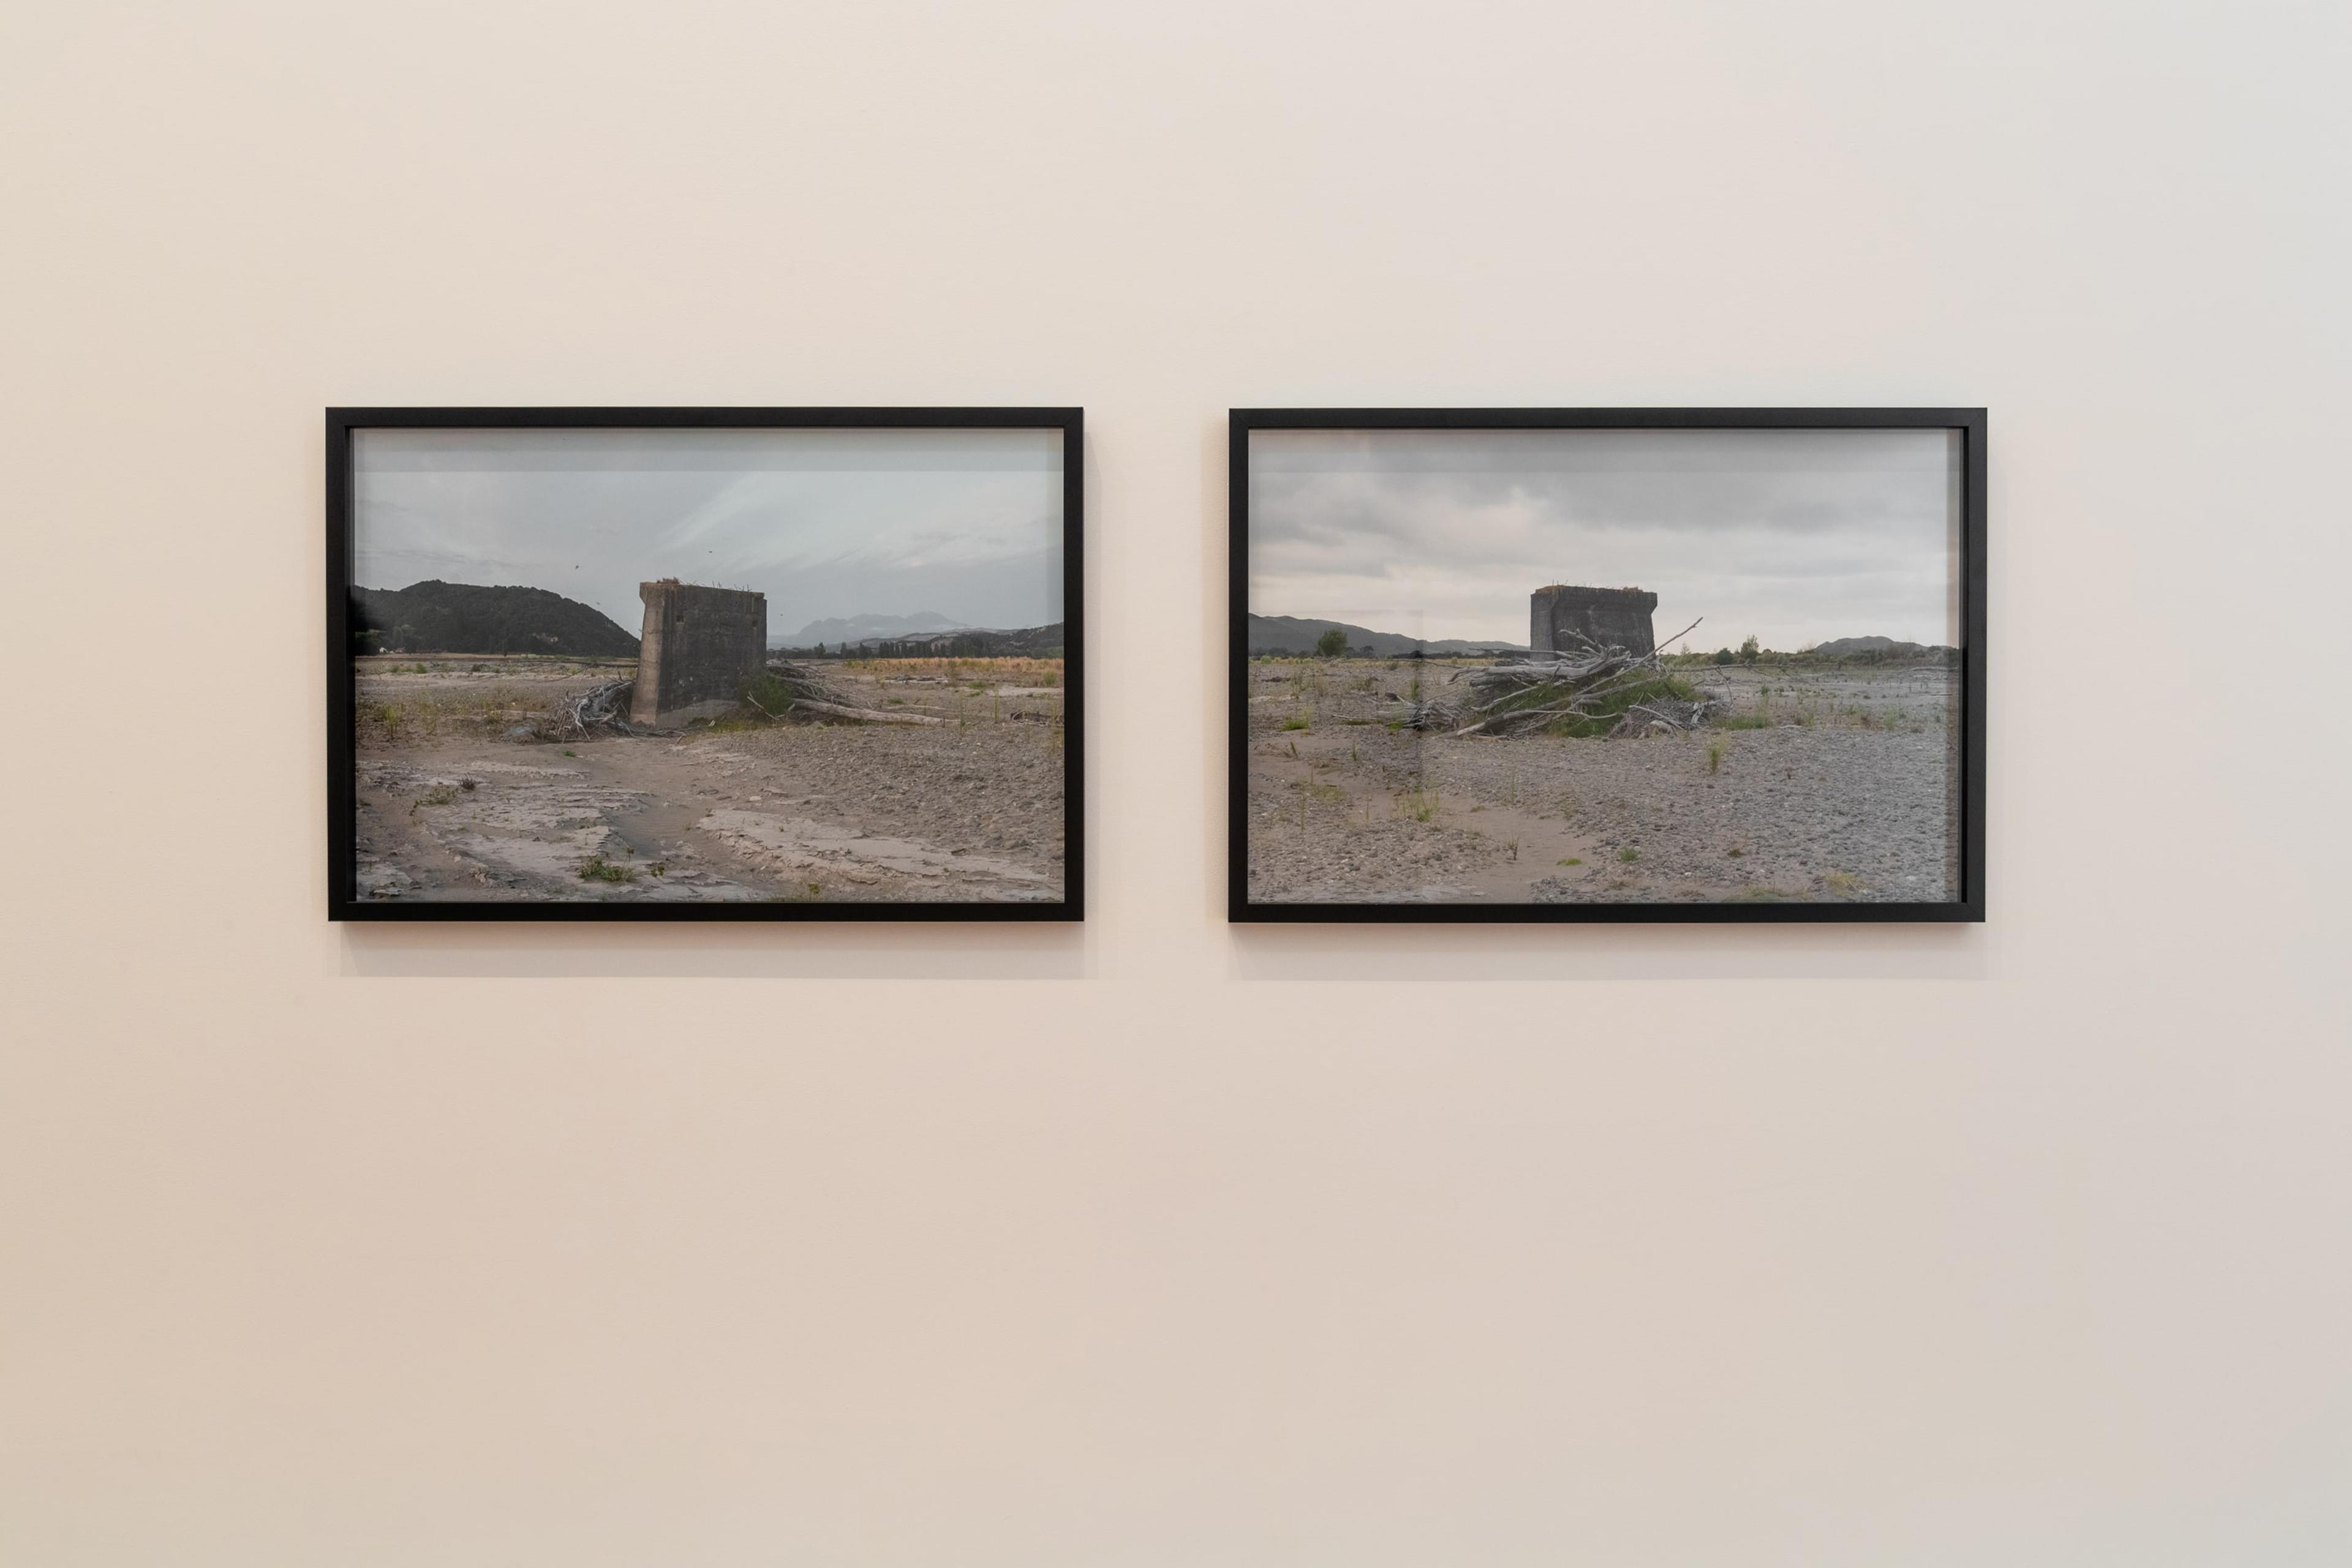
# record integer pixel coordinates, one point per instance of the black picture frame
(1970, 907)
(343, 902)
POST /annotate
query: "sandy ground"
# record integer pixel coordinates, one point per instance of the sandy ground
(1848, 792)
(471, 791)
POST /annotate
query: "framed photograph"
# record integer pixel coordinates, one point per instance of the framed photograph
(705, 664)
(1607, 664)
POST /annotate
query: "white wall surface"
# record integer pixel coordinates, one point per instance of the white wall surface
(1157, 1242)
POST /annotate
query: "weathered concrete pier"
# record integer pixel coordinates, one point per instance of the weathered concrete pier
(1563, 619)
(699, 648)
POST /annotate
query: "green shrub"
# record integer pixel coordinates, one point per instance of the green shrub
(769, 697)
(1610, 710)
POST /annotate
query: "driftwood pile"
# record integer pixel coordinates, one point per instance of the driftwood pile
(599, 711)
(811, 696)
(603, 709)
(1588, 682)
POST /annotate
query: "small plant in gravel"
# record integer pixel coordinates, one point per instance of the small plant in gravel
(1841, 882)
(1715, 756)
(1573, 860)
(1298, 722)
(1734, 852)
(1629, 855)
(596, 868)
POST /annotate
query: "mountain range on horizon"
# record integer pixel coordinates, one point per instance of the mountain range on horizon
(1298, 635)
(1894, 647)
(857, 628)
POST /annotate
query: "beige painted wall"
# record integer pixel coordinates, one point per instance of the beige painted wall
(1159, 1243)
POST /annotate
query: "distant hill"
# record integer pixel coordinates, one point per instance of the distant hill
(1291, 633)
(970, 642)
(1884, 647)
(963, 642)
(857, 628)
(459, 617)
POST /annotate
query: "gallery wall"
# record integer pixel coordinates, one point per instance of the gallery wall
(1156, 1241)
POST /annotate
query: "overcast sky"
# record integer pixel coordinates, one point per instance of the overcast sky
(825, 523)
(1796, 536)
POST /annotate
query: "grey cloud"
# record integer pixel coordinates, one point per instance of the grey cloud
(826, 522)
(1794, 535)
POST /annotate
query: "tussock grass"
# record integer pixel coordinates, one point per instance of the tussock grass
(426, 716)
(1009, 670)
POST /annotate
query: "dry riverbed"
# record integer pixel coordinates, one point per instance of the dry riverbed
(1832, 784)
(470, 790)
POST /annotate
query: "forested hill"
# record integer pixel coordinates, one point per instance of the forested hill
(460, 618)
